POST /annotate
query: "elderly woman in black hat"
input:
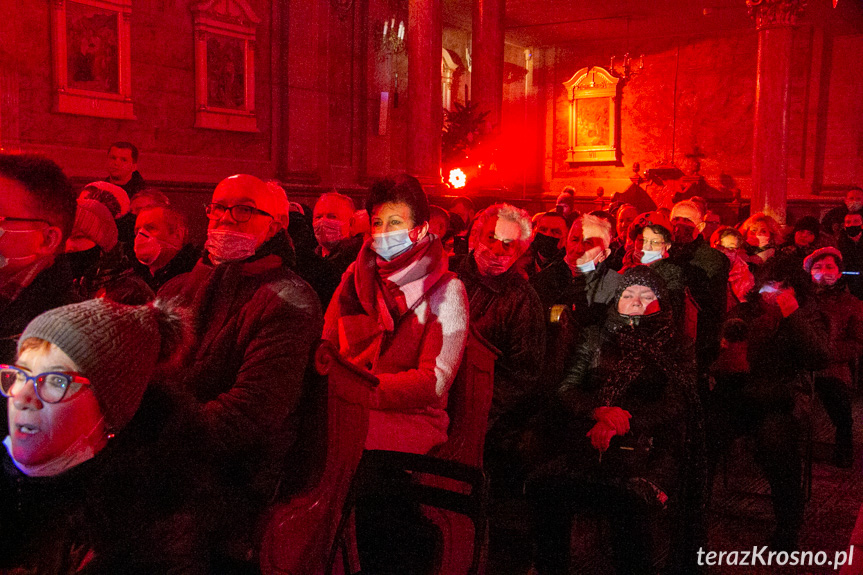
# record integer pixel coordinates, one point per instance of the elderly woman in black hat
(97, 474)
(636, 434)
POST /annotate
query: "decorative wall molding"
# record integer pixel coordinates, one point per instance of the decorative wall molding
(775, 13)
(92, 62)
(225, 38)
(449, 65)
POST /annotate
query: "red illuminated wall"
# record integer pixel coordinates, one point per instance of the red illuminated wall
(711, 107)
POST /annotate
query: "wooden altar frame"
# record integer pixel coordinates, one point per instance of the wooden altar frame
(594, 113)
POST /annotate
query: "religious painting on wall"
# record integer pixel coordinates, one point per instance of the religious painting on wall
(225, 65)
(92, 64)
(593, 95)
(226, 72)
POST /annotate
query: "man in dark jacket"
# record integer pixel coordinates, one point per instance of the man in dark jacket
(123, 168)
(705, 274)
(36, 216)
(853, 204)
(332, 220)
(160, 246)
(852, 252)
(123, 172)
(255, 325)
(581, 282)
(506, 311)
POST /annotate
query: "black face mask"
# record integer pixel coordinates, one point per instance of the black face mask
(82, 262)
(546, 246)
(853, 230)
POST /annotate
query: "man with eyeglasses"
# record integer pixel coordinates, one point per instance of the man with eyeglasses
(255, 324)
(37, 210)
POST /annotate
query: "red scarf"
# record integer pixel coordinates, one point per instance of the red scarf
(382, 292)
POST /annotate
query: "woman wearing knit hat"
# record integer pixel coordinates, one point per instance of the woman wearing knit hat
(844, 314)
(98, 261)
(650, 235)
(96, 470)
(635, 433)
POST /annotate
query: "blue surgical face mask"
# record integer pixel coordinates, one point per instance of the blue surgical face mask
(586, 268)
(650, 256)
(390, 244)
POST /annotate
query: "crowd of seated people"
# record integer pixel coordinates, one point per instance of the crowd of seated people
(157, 390)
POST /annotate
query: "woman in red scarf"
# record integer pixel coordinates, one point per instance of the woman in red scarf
(402, 315)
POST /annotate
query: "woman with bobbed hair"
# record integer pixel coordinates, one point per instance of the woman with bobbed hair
(762, 236)
(402, 315)
(99, 473)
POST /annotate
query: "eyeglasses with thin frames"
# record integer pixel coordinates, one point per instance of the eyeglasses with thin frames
(240, 213)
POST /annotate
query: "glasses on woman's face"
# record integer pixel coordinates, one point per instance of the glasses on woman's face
(652, 245)
(240, 213)
(50, 387)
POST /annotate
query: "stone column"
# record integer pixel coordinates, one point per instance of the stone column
(775, 21)
(486, 76)
(425, 113)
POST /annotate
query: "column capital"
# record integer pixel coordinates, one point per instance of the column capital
(775, 13)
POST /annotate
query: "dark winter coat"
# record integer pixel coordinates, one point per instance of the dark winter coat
(182, 262)
(51, 288)
(255, 324)
(635, 363)
(587, 296)
(780, 348)
(136, 507)
(705, 273)
(638, 364)
(506, 311)
(852, 259)
(844, 314)
(335, 264)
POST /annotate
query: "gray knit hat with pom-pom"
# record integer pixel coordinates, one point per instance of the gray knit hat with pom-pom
(117, 347)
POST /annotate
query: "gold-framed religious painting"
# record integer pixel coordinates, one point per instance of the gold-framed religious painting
(594, 101)
(92, 61)
(225, 32)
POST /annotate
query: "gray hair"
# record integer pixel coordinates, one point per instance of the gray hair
(509, 213)
(597, 223)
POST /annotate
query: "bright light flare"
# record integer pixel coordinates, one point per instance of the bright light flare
(457, 178)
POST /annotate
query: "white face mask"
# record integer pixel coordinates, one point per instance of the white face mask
(79, 451)
(650, 256)
(230, 246)
(584, 268)
(390, 244)
(20, 261)
(148, 248)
